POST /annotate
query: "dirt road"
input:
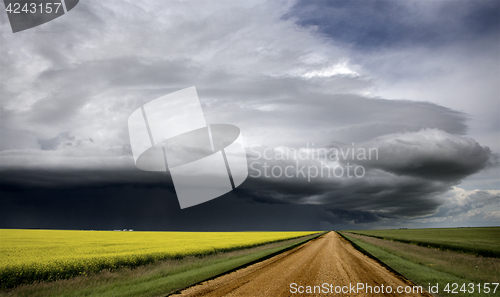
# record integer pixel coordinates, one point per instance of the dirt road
(329, 262)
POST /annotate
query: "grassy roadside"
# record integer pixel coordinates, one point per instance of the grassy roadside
(425, 266)
(157, 279)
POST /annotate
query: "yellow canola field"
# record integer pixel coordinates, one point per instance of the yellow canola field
(31, 255)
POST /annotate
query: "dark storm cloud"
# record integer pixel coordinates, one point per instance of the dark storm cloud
(413, 167)
(431, 154)
(404, 178)
(150, 208)
(378, 24)
(378, 195)
(19, 180)
(354, 216)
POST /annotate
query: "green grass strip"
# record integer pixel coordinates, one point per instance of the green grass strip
(418, 274)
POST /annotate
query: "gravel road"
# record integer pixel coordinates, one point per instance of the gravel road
(329, 262)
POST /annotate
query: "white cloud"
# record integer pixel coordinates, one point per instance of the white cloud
(341, 68)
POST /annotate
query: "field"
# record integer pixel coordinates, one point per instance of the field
(425, 265)
(34, 255)
(478, 241)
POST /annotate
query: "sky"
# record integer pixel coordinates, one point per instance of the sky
(402, 97)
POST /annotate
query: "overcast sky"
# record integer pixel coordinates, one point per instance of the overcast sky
(416, 81)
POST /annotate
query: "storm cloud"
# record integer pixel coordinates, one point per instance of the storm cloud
(291, 75)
